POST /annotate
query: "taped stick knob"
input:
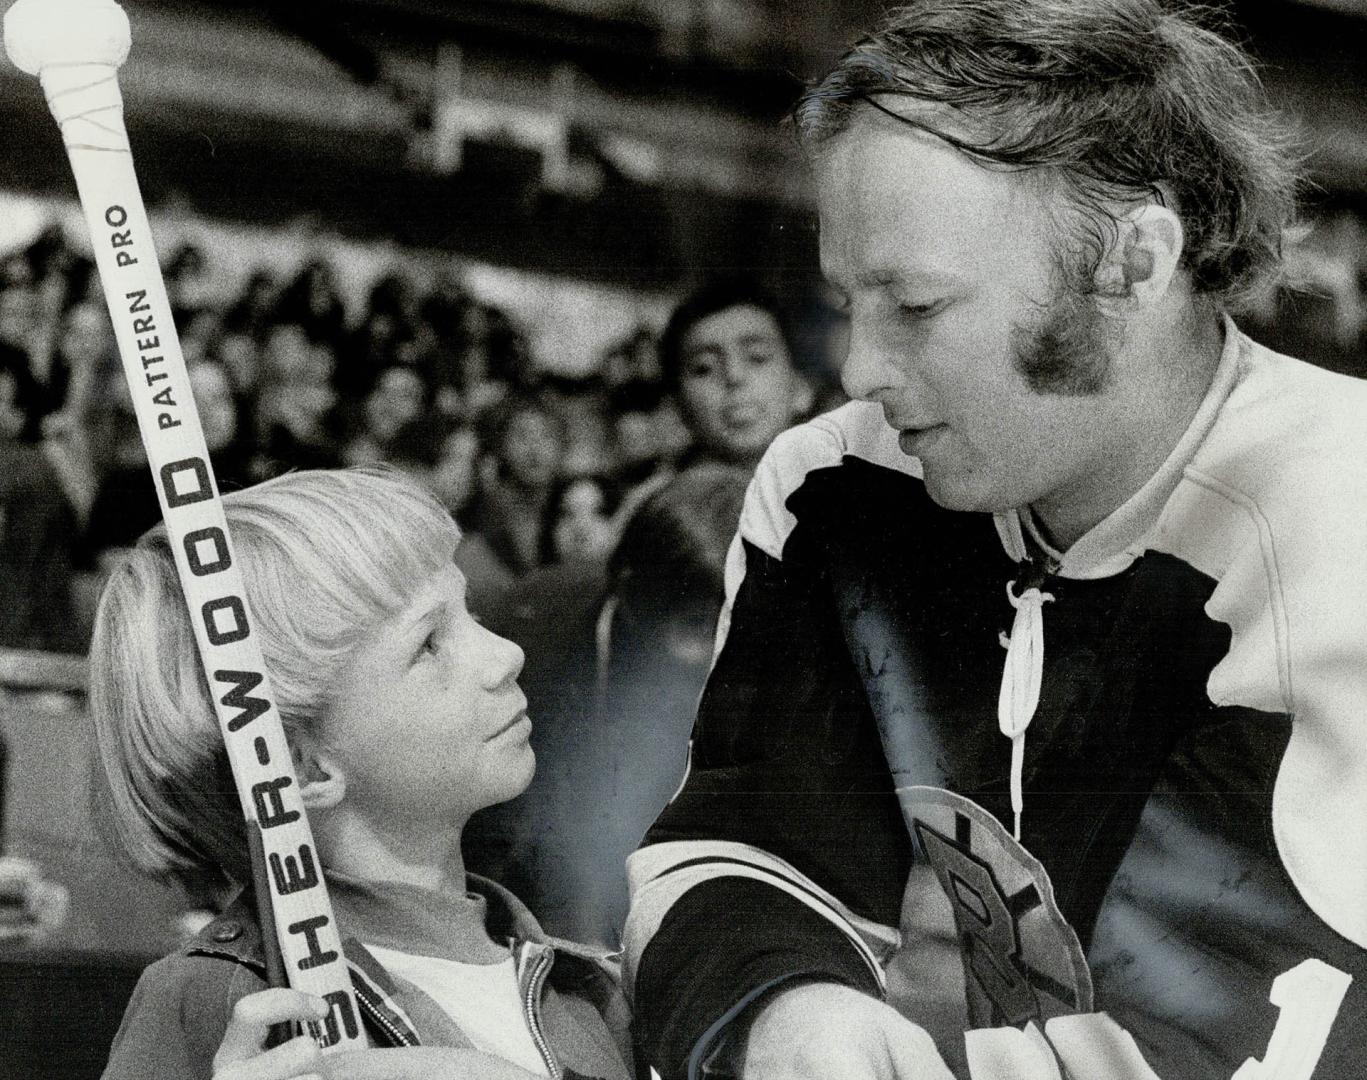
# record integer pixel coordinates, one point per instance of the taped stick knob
(41, 33)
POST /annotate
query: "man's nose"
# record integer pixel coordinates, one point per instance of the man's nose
(866, 370)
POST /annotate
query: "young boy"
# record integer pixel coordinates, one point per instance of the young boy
(405, 718)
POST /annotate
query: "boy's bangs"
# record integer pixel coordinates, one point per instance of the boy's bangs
(335, 554)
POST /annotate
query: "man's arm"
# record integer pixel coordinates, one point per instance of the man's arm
(784, 854)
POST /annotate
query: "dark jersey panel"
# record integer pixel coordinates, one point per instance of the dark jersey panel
(688, 974)
(921, 598)
(1201, 916)
(785, 755)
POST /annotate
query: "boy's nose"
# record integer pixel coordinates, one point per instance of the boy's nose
(506, 663)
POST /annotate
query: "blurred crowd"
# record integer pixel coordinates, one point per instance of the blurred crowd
(536, 466)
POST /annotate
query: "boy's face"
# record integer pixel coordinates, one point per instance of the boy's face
(428, 724)
(737, 385)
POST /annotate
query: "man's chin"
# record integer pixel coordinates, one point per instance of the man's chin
(958, 493)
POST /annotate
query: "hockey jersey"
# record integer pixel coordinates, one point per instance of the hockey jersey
(1192, 851)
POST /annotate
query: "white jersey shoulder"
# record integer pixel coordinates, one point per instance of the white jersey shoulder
(1273, 506)
(856, 429)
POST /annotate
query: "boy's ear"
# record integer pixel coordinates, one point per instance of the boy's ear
(322, 784)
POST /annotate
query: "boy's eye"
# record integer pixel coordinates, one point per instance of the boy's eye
(429, 646)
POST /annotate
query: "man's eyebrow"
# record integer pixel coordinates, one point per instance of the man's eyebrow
(905, 276)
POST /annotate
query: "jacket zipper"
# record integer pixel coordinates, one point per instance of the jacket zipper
(529, 1001)
(367, 1006)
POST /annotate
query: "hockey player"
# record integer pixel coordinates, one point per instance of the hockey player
(1035, 734)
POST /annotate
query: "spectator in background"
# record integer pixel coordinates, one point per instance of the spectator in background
(379, 340)
(579, 521)
(23, 395)
(1318, 312)
(125, 501)
(494, 358)
(639, 447)
(580, 404)
(443, 311)
(253, 312)
(636, 359)
(83, 343)
(19, 318)
(198, 331)
(313, 302)
(44, 496)
(617, 654)
(295, 405)
(443, 455)
(525, 447)
(454, 473)
(399, 395)
(236, 352)
(726, 355)
(13, 418)
(188, 282)
(15, 270)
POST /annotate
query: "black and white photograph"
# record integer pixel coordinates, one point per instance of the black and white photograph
(683, 540)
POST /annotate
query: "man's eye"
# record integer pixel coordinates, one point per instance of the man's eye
(922, 311)
(758, 359)
(699, 369)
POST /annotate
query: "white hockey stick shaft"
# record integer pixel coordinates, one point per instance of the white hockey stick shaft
(76, 47)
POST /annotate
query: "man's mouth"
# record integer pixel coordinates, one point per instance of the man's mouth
(914, 441)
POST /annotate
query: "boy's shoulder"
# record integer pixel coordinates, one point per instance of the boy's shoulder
(181, 1006)
(233, 935)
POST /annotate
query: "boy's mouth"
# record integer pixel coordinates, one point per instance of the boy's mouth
(519, 717)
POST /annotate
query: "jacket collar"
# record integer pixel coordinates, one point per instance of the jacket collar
(392, 915)
(414, 920)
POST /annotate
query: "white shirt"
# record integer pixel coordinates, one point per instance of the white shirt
(482, 999)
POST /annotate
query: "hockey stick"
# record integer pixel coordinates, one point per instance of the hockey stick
(75, 47)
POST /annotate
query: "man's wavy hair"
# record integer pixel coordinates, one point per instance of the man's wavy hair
(1123, 100)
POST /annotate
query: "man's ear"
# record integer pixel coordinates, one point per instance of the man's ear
(322, 783)
(1142, 262)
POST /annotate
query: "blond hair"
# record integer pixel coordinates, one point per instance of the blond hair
(324, 555)
(1123, 100)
